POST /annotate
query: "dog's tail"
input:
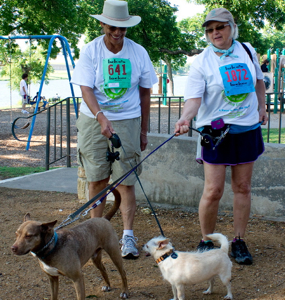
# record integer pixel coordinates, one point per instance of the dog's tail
(115, 206)
(221, 239)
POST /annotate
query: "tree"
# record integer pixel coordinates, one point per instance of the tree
(251, 16)
(17, 62)
(34, 17)
(49, 17)
(193, 26)
(274, 39)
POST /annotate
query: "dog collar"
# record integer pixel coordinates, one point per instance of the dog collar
(54, 238)
(167, 254)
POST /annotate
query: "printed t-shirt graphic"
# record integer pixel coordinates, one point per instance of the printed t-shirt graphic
(117, 79)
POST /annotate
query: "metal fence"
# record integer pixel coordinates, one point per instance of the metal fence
(163, 117)
(61, 130)
(58, 132)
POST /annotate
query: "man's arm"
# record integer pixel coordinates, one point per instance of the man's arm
(145, 109)
(92, 103)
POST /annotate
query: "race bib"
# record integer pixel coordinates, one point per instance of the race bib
(237, 79)
(117, 73)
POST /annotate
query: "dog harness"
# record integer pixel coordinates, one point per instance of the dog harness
(167, 254)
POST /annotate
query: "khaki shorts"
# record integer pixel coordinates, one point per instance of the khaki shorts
(92, 148)
(24, 99)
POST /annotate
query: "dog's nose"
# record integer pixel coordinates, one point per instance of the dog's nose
(14, 248)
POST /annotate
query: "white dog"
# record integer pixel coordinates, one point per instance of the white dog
(180, 268)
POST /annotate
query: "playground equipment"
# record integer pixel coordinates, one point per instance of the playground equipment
(277, 68)
(65, 46)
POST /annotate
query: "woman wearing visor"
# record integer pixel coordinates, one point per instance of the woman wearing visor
(226, 93)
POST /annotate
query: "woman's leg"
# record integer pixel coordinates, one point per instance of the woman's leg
(241, 186)
(213, 191)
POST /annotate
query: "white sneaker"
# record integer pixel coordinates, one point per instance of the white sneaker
(25, 112)
(129, 250)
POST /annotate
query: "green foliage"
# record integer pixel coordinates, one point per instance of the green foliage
(193, 26)
(250, 16)
(274, 39)
(16, 63)
(158, 32)
(49, 17)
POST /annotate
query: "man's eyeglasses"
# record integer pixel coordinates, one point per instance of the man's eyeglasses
(218, 28)
(113, 28)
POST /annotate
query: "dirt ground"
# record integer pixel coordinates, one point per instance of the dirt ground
(22, 278)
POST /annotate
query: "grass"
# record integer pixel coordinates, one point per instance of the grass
(274, 135)
(11, 172)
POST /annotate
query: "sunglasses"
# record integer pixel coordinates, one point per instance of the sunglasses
(218, 28)
(113, 28)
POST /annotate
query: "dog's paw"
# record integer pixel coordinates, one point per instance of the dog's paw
(207, 292)
(106, 288)
(228, 297)
(124, 295)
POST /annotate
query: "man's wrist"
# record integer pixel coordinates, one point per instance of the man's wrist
(96, 116)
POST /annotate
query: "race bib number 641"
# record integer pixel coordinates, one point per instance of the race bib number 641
(117, 73)
(237, 79)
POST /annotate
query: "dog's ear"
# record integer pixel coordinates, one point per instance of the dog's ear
(48, 226)
(27, 217)
(162, 244)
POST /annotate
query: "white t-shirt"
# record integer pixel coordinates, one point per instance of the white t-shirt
(119, 98)
(23, 84)
(205, 80)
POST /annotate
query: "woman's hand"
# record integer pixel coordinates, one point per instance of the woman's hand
(181, 126)
(190, 110)
(263, 116)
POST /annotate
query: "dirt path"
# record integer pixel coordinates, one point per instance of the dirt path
(21, 277)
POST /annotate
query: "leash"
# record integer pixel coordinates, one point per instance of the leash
(77, 214)
(149, 203)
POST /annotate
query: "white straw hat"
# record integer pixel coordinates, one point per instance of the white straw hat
(116, 13)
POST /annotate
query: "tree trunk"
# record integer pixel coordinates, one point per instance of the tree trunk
(170, 85)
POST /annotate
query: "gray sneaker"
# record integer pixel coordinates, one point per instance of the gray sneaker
(129, 250)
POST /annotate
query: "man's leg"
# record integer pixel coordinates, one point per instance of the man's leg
(128, 205)
(94, 189)
(128, 209)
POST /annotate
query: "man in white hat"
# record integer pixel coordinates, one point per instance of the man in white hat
(115, 76)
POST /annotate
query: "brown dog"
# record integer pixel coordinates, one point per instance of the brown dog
(65, 252)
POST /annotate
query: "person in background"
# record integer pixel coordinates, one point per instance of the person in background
(115, 76)
(225, 89)
(24, 92)
(264, 66)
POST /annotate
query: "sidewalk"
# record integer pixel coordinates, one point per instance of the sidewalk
(57, 180)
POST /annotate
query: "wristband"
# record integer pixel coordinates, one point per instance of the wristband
(98, 112)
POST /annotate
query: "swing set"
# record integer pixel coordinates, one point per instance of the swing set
(65, 48)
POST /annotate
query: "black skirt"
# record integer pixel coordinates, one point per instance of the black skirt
(235, 149)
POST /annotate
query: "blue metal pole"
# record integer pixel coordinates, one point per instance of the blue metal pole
(69, 76)
(40, 91)
(65, 46)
